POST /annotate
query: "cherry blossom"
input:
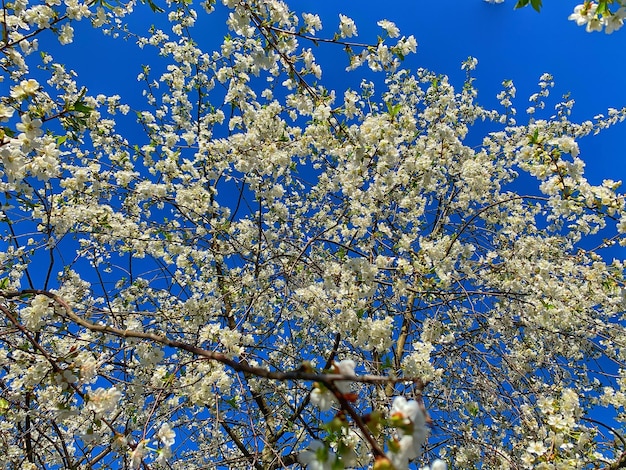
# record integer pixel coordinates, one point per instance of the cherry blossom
(607, 15)
(317, 457)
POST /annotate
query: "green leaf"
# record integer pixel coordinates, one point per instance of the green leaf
(534, 138)
(154, 7)
(536, 4)
(393, 110)
(473, 409)
(233, 402)
(82, 107)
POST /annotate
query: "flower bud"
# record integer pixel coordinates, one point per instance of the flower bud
(373, 421)
(338, 422)
(383, 463)
(394, 445)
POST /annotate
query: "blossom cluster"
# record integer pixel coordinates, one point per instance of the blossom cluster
(406, 418)
(595, 19)
(594, 16)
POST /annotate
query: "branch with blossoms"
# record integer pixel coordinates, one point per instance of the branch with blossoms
(408, 418)
(599, 16)
(374, 54)
(603, 15)
(62, 376)
(240, 366)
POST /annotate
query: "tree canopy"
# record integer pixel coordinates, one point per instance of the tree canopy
(255, 270)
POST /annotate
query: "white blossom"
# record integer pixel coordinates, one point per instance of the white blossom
(103, 401)
(347, 27)
(167, 435)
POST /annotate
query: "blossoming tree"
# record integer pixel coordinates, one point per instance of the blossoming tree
(270, 273)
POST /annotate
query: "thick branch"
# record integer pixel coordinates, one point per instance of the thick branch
(236, 365)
